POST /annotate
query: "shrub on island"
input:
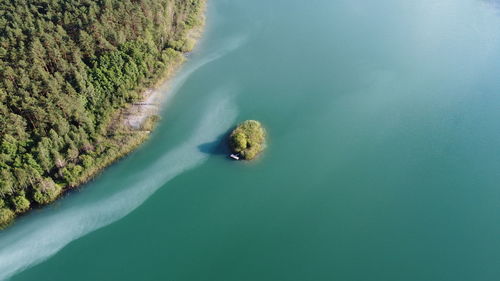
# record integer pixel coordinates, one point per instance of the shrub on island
(248, 139)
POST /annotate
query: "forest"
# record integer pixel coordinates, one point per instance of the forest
(68, 69)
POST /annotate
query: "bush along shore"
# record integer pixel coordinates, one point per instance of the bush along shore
(70, 74)
(247, 140)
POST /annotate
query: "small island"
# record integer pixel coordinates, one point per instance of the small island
(247, 140)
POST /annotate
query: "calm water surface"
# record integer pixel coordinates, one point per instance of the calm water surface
(383, 161)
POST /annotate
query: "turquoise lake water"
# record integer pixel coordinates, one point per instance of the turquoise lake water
(383, 160)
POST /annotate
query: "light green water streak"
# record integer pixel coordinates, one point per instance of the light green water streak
(383, 161)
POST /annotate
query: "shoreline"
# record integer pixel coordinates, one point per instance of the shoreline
(130, 125)
(134, 116)
(153, 98)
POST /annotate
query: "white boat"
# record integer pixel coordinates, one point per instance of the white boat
(234, 156)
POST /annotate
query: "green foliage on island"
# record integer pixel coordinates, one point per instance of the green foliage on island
(68, 68)
(248, 139)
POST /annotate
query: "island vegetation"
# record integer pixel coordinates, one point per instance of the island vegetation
(68, 70)
(248, 139)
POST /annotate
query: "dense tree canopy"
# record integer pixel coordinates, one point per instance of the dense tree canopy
(67, 68)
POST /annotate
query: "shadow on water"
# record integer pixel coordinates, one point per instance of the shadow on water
(218, 147)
